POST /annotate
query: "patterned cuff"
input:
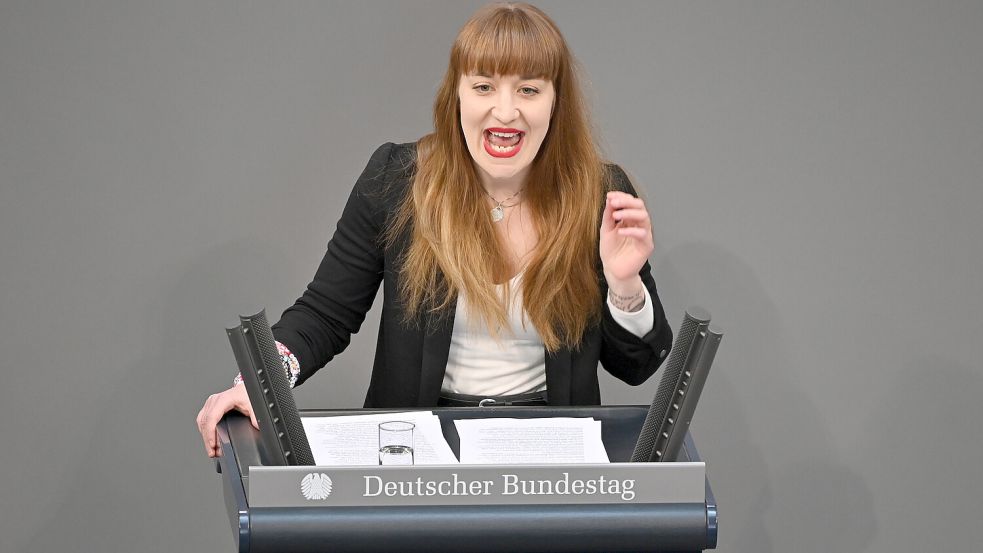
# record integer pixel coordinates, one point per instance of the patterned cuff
(290, 366)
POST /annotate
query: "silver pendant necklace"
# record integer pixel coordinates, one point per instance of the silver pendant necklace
(498, 212)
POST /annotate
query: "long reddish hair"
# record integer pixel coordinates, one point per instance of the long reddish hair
(454, 248)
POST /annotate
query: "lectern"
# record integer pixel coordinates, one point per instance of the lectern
(654, 524)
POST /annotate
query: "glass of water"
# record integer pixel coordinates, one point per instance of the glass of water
(396, 443)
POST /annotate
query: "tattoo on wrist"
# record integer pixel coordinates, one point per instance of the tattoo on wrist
(629, 304)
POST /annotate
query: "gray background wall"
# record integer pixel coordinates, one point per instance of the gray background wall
(813, 170)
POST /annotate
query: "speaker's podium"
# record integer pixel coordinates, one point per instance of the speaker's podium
(670, 506)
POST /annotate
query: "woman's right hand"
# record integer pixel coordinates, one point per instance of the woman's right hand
(216, 406)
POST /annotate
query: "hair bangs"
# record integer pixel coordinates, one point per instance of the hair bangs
(509, 42)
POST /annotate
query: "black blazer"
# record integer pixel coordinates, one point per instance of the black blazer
(410, 359)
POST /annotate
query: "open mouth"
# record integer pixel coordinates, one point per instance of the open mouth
(503, 142)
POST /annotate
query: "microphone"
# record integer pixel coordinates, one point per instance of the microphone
(679, 389)
(669, 440)
(281, 430)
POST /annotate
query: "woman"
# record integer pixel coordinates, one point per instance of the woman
(512, 258)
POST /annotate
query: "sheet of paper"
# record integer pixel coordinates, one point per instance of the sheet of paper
(354, 439)
(531, 441)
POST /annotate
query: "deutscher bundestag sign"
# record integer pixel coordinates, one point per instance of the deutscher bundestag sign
(364, 486)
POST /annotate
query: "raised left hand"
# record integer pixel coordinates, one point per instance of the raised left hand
(625, 242)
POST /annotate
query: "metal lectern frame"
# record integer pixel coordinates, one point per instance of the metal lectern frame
(505, 528)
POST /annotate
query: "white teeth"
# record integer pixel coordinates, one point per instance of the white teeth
(504, 134)
(502, 149)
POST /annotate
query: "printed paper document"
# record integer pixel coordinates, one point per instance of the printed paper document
(531, 441)
(354, 439)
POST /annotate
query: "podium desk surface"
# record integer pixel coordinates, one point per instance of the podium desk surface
(432, 529)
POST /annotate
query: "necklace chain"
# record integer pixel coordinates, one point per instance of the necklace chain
(498, 212)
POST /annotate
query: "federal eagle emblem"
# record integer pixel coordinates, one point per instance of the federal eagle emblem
(316, 486)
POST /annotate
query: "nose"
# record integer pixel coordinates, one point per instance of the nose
(504, 109)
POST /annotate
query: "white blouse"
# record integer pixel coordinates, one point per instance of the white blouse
(480, 365)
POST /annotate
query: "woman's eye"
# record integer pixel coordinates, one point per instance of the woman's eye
(528, 90)
(482, 87)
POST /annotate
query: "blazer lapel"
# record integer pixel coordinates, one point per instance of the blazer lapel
(436, 346)
(558, 377)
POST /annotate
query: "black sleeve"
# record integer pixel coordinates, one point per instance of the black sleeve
(624, 355)
(320, 324)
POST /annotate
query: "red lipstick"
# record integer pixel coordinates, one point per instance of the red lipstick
(500, 150)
